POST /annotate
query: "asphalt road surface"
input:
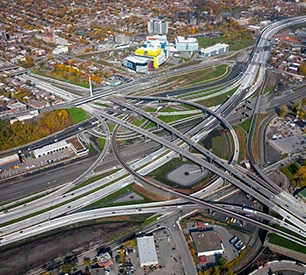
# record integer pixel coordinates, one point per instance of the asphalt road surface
(48, 178)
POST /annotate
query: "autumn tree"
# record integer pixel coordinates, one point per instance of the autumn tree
(302, 68)
(283, 110)
(300, 177)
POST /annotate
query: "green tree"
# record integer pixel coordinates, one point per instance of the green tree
(223, 264)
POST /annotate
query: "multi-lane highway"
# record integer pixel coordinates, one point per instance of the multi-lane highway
(293, 213)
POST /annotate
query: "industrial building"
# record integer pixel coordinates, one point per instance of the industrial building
(186, 44)
(214, 50)
(157, 26)
(50, 149)
(207, 243)
(147, 251)
(9, 161)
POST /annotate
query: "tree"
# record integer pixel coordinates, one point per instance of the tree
(216, 270)
(283, 111)
(300, 177)
(223, 264)
(302, 68)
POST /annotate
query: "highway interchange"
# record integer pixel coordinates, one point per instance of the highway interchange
(265, 191)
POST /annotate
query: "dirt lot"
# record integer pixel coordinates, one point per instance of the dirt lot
(55, 248)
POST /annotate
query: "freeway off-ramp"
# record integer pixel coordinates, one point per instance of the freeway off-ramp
(282, 205)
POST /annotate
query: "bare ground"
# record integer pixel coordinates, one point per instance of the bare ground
(21, 259)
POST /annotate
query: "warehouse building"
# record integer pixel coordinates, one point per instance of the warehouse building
(50, 149)
(147, 251)
(9, 161)
(214, 50)
(207, 243)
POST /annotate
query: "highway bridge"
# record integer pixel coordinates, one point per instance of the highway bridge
(256, 62)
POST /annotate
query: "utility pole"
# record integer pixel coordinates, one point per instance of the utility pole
(90, 88)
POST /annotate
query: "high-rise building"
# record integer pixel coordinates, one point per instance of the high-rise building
(157, 26)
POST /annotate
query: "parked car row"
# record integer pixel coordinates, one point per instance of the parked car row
(238, 244)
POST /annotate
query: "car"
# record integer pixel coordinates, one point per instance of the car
(113, 212)
(69, 206)
(21, 231)
(203, 259)
(173, 248)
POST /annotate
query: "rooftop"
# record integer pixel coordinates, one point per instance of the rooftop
(206, 241)
(181, 39)
(50, 147)
(147, 251)
(9, 161)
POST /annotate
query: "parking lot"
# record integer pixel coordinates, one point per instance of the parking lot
(30, 164)
(285, 136)
(167, 253)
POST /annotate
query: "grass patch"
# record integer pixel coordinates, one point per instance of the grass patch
(101, 104)
(139, 122)
(243, 150)
(150, 110)
(242, 130)
(219, 71)
(283, 242)
(218, 146)
(171, 118)
(246, 124)
(234, 45)
(111, 197)
(77, 115)
(217, 100)
(255, 143)
(169, 110)
(187, 78)
(160, 174)
(101, 143)
(151, 219)
(150, 125)
(290, 170)
(111, 127)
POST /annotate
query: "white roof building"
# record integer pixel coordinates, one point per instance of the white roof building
(147, 251)
(219, 48)
(189, 44)
(51, 148)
